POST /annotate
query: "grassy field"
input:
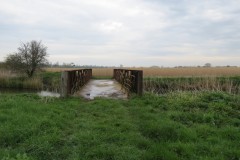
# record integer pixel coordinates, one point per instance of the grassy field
(178, 125)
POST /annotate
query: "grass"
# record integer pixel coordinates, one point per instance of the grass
(178, 125)
(50, 80)
(169, 84)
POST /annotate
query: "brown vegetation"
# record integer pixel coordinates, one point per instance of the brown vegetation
(6, 74)
(166, 72)
(183, 72)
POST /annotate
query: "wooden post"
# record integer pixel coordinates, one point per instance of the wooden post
(64, 84)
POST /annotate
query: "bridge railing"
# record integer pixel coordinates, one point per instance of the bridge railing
(131, 80)
(73, 80)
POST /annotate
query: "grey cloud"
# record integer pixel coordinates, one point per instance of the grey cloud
(124, 29)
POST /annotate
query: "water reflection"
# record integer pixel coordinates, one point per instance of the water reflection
(40, 93)
(48, 94)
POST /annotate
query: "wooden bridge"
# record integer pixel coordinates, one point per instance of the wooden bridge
(72, 81)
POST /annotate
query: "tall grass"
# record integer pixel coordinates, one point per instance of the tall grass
(102, 72)
(21, 83)
(50, 80)
(164, 85)
(43, 80)
(96, 72)
(191, 71)
(166, 72)
(7, 74)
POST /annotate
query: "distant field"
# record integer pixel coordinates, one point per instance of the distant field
(166, 72)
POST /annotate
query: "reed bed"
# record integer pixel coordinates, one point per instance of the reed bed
(96, 72)
(166, 72)
(59, 69)
(165, 85)
(190, 71)
(102, 72)
(40, 81)
(7, 74)
(32, 83)
(21, 83)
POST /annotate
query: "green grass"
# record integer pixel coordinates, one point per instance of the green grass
(179, 125)
(50, 80)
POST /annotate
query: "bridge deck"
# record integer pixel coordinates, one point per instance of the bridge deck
(102, 88)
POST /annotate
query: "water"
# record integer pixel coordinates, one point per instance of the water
(40, 93)
(48, 94)
(102, 88)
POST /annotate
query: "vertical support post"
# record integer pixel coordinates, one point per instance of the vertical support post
(114, 74)
(139, 83)
(64, 84)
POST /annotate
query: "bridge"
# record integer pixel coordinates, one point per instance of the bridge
(73, 81)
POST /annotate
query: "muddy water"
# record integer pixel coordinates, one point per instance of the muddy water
(102, 88)
(40, 93)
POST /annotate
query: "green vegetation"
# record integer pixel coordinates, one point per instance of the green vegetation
(179, 125)
(34, 83)
(42, 80)
(51, 80)
(161, 85)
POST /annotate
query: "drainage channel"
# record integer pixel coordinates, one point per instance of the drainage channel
(102, 88)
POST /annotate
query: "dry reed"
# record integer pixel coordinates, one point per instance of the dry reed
(165, 85)
(7, 74)
(166, 72)
(194, 71)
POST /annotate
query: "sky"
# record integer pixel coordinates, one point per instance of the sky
(125, 32)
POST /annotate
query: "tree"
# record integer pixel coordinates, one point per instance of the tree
(2, 65)
(207, 65)
(30, 57)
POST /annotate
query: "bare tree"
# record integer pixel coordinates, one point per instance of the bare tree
(30, 57)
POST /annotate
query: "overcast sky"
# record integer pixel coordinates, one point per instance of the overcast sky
(128, 32)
